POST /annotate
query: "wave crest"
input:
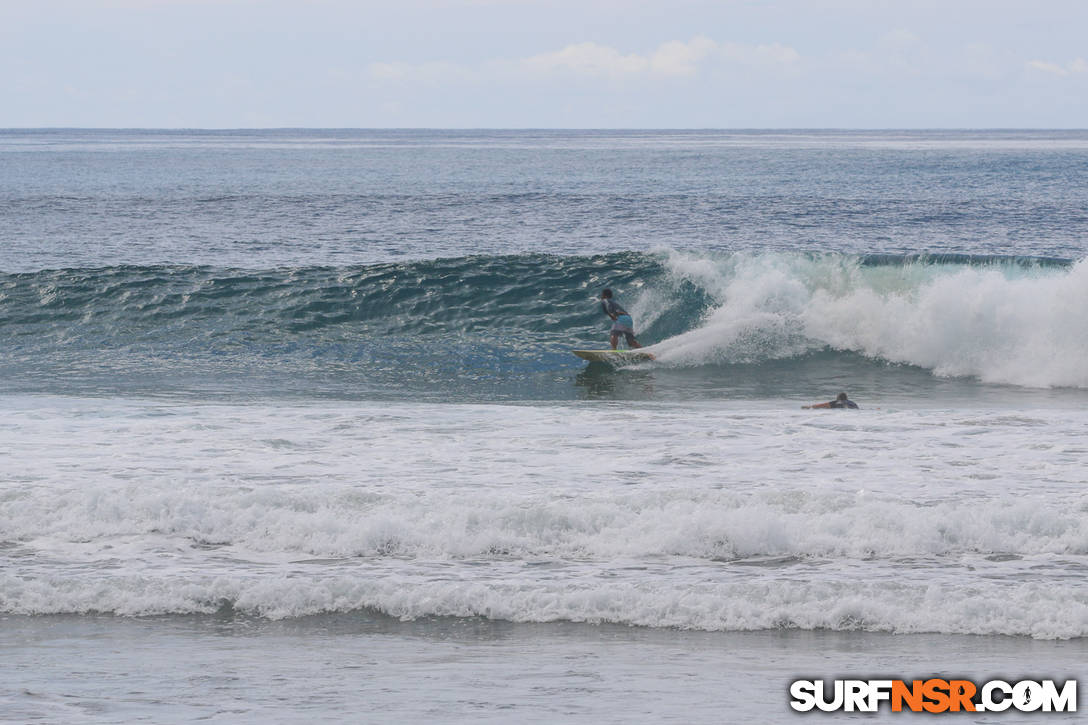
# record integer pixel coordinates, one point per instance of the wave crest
(1002, 320)
(999, 321)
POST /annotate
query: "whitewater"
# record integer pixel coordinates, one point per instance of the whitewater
(291, 427)
(702, 527)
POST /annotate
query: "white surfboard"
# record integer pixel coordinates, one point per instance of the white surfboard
(614, 357)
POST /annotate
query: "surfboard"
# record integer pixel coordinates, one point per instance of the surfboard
(614, 357)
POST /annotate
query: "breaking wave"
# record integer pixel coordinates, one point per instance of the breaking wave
(1019, 321)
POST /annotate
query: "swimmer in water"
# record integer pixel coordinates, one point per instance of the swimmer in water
(840, 402)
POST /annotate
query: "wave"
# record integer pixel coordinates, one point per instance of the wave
(717, 526)
(533, 293)
(1010, 320)
(1035, 610)
(1015, 321)
(715, 561)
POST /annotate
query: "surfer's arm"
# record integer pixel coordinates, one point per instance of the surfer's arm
(817, 405)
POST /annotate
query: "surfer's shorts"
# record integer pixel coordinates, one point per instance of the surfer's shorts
(623, 325)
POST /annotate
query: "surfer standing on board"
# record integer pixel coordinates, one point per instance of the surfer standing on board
(622, 324)
(840, 402)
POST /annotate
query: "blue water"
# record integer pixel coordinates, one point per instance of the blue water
(258, 199)
(291, 428)
(464, 265)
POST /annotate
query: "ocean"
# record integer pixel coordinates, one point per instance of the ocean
(291, 430)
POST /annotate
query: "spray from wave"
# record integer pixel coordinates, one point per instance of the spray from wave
(1002, 321)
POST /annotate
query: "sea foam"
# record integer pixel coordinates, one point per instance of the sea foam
(1029, 609)
(1000, 322)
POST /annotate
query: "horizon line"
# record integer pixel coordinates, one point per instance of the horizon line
(545, 128)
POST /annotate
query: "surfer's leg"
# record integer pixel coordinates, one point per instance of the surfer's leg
(614, 338)
(631, 341)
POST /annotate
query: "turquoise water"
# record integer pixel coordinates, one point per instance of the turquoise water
(479, 328)
(291, 428)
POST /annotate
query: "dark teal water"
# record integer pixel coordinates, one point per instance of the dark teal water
(246, 474)
(502, 328)
(465, 265)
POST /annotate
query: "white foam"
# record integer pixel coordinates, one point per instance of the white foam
(334, 521)
(1031, 609)
(1002, 324)
(708, 517)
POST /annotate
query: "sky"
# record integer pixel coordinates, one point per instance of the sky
(544, 63)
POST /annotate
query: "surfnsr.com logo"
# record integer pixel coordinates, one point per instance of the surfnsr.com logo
(933, 695)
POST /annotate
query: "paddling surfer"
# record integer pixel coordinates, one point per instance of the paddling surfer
(840, 402)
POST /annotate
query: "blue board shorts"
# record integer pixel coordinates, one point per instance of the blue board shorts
(623, 325)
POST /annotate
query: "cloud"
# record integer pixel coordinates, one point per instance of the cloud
(587, 59)
(676, 58)
(673, 59)
(1071, 68)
